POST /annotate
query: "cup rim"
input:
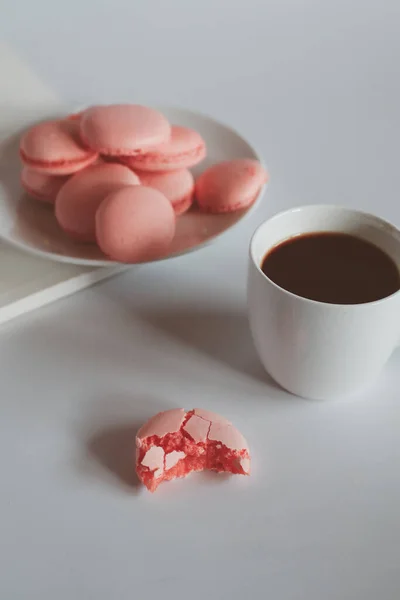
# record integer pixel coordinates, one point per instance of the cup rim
(336, 207)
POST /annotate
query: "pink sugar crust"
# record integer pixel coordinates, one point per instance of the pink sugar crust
(185, 149)
(194, 443)
(211, 416)
(135, 224)
(168, 421)
(123, 129)
(41, 186)
(55, 148)
(197, 428)
(228, 435)
(78, 200)
(230, 185)
(154, 458)
(177, 186)
(172, 458)
(222, 430)
(219, 429)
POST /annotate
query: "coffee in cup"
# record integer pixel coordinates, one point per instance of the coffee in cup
(324, 298)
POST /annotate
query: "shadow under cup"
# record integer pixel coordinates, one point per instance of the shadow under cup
(313, 349)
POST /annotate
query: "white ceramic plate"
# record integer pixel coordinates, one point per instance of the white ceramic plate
(31, 226)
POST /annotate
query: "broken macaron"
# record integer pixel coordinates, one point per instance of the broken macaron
(174, 443)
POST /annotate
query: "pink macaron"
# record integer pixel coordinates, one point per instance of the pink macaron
(42, 186)
(55, 148)
(184, 149)
(229, 186)
(177, 186)
(78, 200)
(123, 129)
(135, 224)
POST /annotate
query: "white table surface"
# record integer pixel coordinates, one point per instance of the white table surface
(315, 85)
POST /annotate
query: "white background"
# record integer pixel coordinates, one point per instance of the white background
(315, 86)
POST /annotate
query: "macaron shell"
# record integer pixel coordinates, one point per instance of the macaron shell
(172, 458)
(55, 147)
(211, 416)
(185, 148)
(168, 421)
(154, 458)
(177, 186)
(245, 464)
(78, 200)
(123, 129)
(230, 185)
(41, 186)
(197, 428)
(227, 435)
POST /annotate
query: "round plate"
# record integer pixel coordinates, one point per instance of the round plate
(31, 226)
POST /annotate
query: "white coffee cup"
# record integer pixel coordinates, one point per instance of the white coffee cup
(314, 349)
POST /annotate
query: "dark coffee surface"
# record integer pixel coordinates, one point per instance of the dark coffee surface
(332, 267)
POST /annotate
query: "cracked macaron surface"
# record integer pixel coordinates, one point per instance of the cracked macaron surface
(174, 443)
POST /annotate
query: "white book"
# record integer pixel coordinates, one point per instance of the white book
(27, 282)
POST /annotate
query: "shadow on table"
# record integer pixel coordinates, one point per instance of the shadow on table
(113, 448)
(222, 335)
(10, 165)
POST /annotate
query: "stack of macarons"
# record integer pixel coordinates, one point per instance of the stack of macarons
(118, 176)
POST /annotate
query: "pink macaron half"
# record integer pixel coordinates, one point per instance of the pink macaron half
(185, 149)
(230, 185)
(123, 129)
(55, 148)
(78, 200)
(41, 186)
(177, 186)
(135, 224)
